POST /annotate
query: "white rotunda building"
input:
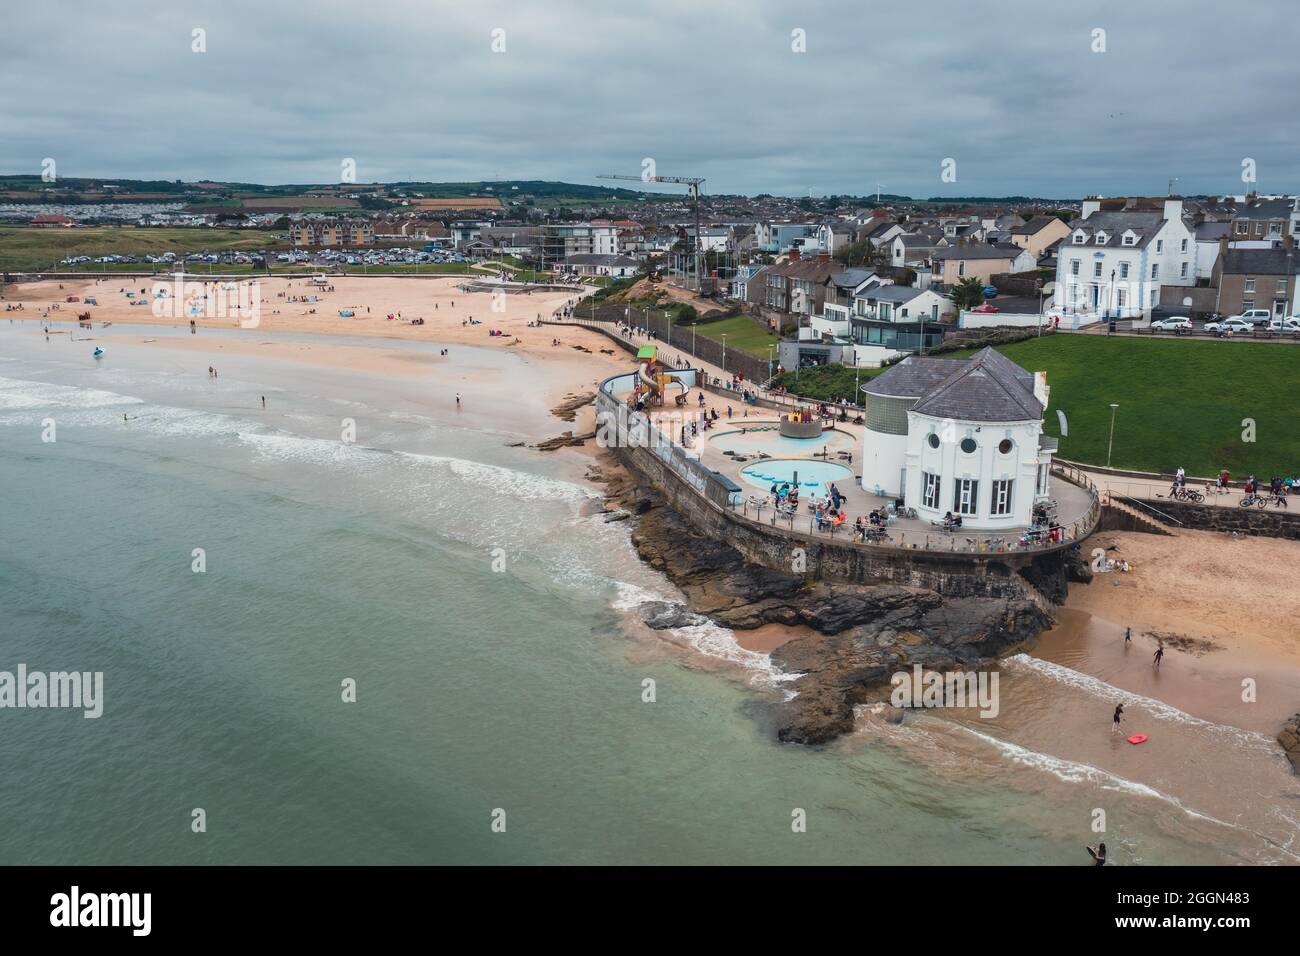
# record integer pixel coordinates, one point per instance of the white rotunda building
(959, 435)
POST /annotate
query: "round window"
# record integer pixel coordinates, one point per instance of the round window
(1005, 446)
(933, 440)
(968, 446)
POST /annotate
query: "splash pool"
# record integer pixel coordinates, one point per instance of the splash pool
(815, 476)
(764, 437)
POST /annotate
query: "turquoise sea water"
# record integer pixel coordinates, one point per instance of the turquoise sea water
(477, 689)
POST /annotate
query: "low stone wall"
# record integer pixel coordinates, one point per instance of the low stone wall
(1270, 522)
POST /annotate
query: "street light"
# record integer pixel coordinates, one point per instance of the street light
(769, 362)
(724, 352)
(1111, 444)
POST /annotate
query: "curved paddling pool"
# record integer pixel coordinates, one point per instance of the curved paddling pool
(815, 476)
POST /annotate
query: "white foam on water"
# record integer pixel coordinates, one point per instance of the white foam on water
(497, 479)
(1156, 708)
(714, 640)
(632, 596)
(1069, 771)
(18, 394)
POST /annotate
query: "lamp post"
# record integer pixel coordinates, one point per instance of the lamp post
(724, 352)
(1111, 444)
(769, 362)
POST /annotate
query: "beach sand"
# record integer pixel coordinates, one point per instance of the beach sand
(1238, 594)
(435, 299)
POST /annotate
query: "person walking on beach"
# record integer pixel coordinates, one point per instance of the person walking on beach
(1128, 635)
(1098, 854)
(458, 400)
(264, 401)
(1119, 714)
(1160, 653)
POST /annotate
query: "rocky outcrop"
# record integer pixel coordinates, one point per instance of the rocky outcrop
(851, 638)
(1289, 738)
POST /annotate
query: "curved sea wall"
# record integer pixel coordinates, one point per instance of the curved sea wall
(704, 497)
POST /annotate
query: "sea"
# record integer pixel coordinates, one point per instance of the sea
(360, 626)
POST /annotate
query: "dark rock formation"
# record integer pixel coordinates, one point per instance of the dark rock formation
(862, 635)
(1289, 738)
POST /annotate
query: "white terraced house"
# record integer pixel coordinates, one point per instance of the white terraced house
(1119, 253)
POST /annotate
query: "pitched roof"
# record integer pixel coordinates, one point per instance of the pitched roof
(1272, 262)
(891, 293)
(1034, 226)
(981, 250)
(987, 387)
(1144, 225)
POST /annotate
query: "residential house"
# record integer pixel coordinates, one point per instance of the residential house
(1263, 220)
(799, 285)
(981, 261)
(1038, 234)
(1120, 253)
(912, 249)
(1257, 279)
(891, 319)
(1208, 236)
(834, 236)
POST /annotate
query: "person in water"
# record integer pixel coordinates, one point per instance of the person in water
(1119, 714)
(1098, 854)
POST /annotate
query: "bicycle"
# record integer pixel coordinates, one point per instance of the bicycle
(1253, 500)
(1183, 493)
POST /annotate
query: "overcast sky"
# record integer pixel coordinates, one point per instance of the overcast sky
(1013, 92)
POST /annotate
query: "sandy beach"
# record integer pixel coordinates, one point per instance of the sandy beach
(436, 300)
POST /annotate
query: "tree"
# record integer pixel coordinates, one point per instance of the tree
(967, 293)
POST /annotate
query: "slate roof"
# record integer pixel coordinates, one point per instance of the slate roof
(890, 293)
(1265, 209)
(1144, 224)
(979, 250)
(913, 377)
(987, 387)
(851, 278)
(1269, 262)
(1033, 226)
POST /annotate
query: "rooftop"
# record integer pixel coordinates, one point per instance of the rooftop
(987, 387)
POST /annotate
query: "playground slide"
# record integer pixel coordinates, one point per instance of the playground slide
(649, 380)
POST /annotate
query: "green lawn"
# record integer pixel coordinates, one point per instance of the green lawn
(27, 248)
(1180, 402)
(742, 334)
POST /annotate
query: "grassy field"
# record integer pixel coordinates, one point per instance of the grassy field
(26, 248)
(742, 334)
(1180, 402)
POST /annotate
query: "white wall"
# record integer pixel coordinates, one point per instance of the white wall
(986, 465)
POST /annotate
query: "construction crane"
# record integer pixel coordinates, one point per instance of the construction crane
(691, 182)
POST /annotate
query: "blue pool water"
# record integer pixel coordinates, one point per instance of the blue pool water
(813, 475)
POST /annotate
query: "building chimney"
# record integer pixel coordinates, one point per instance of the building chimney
(794, 254)
(823, 258)
(1223, 246)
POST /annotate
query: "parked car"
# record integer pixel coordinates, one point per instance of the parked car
(986, 307)
(1254, 316)
(1172, 323)
(1284, 325)
(1234, 324)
